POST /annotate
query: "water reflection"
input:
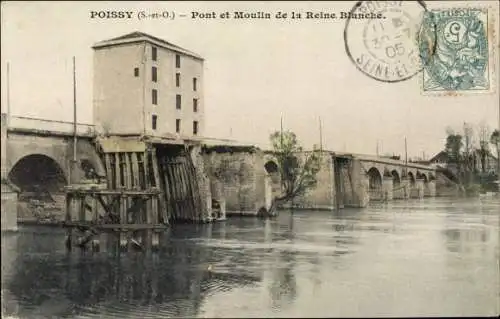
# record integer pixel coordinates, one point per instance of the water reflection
(67, 284)
(468, 230)
(282, 286)
(416, 258)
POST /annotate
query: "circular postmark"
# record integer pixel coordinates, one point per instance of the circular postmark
(381, 38)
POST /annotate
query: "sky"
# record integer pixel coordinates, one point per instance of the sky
(256, 72)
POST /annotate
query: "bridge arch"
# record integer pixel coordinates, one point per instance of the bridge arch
(374, 178)
(38, 172)
(271, 167)
(272, 172)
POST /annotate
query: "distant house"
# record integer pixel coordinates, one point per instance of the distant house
(440, 158)
(490, 164)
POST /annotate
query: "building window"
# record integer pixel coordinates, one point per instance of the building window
(195, 127)
(154, 53)
(178, 125)
(154, 74)
(195, 80)
(154, 97)
(177, 79)
(195, 105)
(177, 61)
(136, 72)
(178, 101)
(153, 121)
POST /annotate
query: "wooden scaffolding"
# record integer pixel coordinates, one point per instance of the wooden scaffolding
(147, 186)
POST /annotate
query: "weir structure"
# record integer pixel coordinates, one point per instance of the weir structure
(149, 184)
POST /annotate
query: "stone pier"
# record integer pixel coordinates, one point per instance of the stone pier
(268, 191)
(417, 189)
(321, 197)
(204, 181)
(9, 206)
(241, 174)
(402, 191)
(364, 195)
(430, 189)
(218, 202)
(387, 188)
(9, 191)
(354, 184)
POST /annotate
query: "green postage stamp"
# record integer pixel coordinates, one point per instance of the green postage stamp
(457, 50)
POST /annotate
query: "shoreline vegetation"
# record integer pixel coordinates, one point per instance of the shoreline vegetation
(469, 161)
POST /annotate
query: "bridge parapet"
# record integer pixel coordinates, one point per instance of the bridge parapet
(385, 161)
(24, 123)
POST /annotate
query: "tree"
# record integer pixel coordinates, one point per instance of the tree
(484, 146)
(495, 140)
(453, 147)
(468, 149)
(297, 168)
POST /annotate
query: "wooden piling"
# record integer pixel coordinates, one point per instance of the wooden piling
(135, 169)
(109, 176)
(161, 205)
(145, 164)
(166, 188)
(118, 180)
(69, 232)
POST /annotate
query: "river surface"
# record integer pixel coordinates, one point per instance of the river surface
(431, 257)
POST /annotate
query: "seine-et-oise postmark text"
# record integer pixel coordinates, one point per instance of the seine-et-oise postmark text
(454, 48)
(386, 49)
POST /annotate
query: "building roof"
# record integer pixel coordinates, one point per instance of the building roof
(441, 155)
(137, 36)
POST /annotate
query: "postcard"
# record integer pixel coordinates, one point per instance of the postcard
(250, 159)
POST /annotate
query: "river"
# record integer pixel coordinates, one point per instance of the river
(430, 257)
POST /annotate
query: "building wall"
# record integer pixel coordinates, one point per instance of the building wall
(166, 109)
(118, 94)
(123, 103)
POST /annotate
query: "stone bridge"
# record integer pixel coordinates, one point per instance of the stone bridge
(393, 179)
(353, 180)
(36, 163)
(244, 177)
(45, 155)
